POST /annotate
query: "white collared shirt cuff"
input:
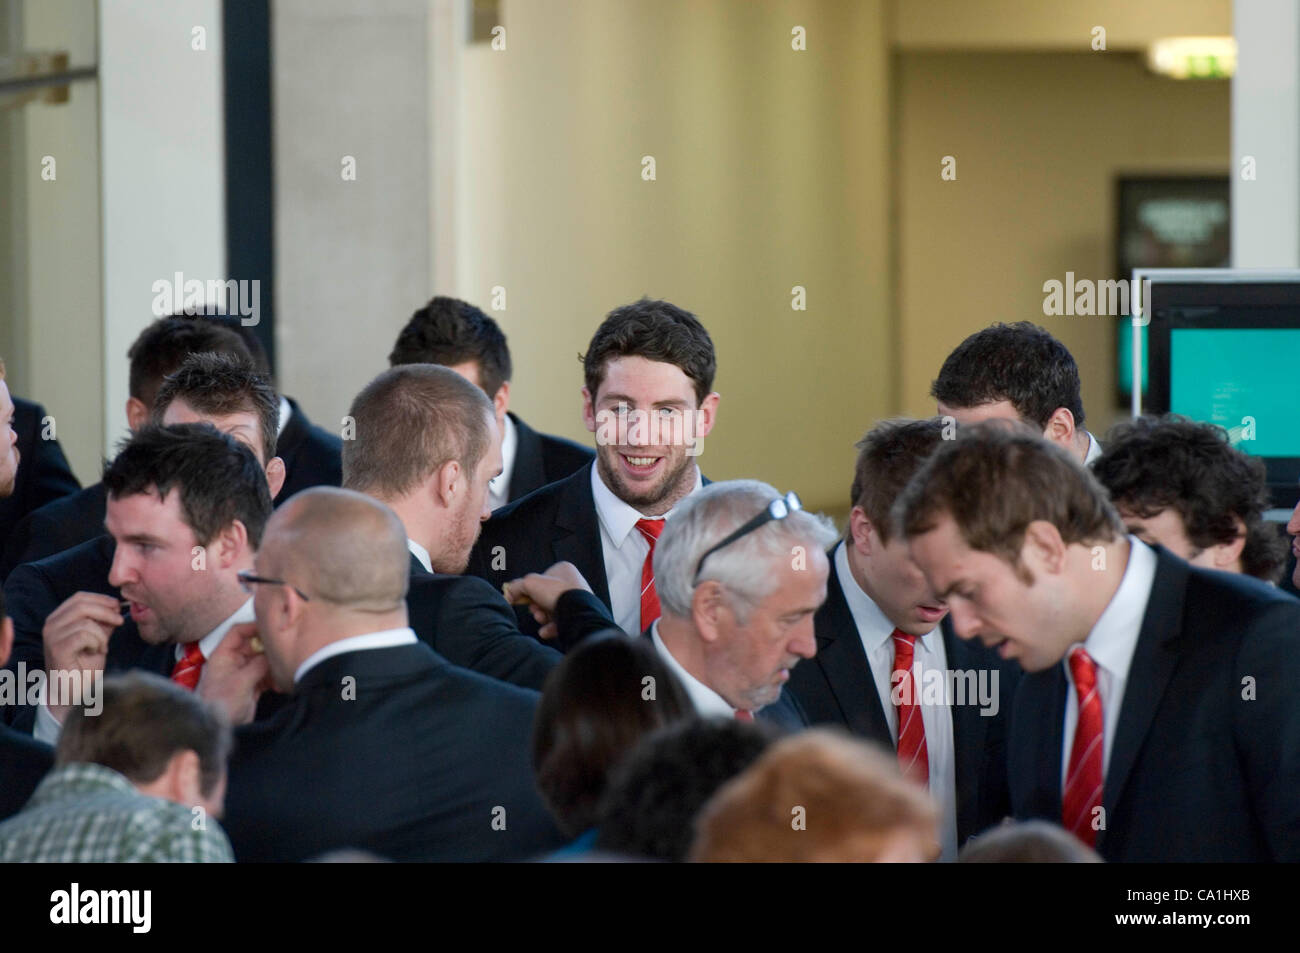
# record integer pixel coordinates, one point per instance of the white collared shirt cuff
(47, 727)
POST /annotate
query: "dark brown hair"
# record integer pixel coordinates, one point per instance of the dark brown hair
(165, 344)
(145, 721)
(994, 480)
(888, 456)
(409, 421)
(656, 331)
(593, 711)
(219, 384)
(449, 331)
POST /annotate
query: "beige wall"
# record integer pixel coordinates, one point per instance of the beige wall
(772, 172)
(1038, 141)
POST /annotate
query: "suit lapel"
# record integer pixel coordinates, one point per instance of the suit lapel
(969, 729)
(579, 541)
(528, 472)
(1148, 674)
(843, 661)
(1034, 750)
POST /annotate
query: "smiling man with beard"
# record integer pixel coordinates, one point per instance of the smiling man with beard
(649, 400)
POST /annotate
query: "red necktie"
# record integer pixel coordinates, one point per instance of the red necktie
(189, 668)
(650, 529)
(913, 756)
(744, 715)
(1083, 779)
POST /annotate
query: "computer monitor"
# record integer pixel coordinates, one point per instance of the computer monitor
(1224, 348)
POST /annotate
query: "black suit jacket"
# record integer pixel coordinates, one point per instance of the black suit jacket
(24, 761)
(1205, 763)
(312, 455)
(34, 590)
(542, 458)
(57, 526)
(553, 524)
(836, 687)
(43, 471)
(414, 765)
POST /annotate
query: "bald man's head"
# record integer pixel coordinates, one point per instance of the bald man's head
(340, 547)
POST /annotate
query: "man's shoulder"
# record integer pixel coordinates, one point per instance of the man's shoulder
(540, 506)
(84, 566)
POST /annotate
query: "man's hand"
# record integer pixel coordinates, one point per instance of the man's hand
(236, 674)
(543, 591)
(76, 638)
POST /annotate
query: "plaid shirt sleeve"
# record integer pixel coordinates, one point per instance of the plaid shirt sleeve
(179, 836)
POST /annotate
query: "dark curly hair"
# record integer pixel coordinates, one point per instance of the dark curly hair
(657, 331)
(1154, 463)
(1020, 363)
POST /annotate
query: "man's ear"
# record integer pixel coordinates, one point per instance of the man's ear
(501, 403)
(447, 482)
(6, 639)
(1060, 429)
(1043, 548)
(1226, 555)
(707, 606)
(137, 414)
(275, 475)
(230, 545)
(706, 415)
(588, 411)
(860, 530)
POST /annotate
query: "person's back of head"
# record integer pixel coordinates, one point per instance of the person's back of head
(1027, 842)
(338, 566)
(818, 796)
(654, 795)
(246, 334)
(456, 334)
(1158, 468)
(219, 387)
(606, 695)
(166, 741)
(1020, 366)
(162, 347)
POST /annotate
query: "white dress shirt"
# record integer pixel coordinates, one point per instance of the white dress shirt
(499, 486)
(1111, 644)
(286, 412)
(624, 549)
(876, 632)
(355, 643)
(48, 728)
(1094, 450)
(707, 702)
(420, 553)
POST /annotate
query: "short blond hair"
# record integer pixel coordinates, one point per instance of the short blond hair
(851, 798)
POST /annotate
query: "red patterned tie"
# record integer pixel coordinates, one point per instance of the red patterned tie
(650, 529)
(913, 756)
(744, 715)
(189, 668)
(1083, 779)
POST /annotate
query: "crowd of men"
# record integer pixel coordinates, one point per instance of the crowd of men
(439, 634)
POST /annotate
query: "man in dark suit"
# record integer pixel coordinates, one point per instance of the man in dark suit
(23, 759)
(44, 476)
(427, 446)
(740, 571)
(1158, 719)
(458, 335)
(158, 351)
(885, 656)
(649, 400)
(385, 746)
(186, 507)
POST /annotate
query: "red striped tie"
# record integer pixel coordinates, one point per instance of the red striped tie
(1083, 779)
(913, 756)
(189, 668)
(650, 529)
(743, 714)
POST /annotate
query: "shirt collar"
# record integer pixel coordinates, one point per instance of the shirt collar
(616, 517)
(286, 411)
(385, 639)
(706, 701)
(208, 644)
(80, 779)
(874, 627)
(1114, 636)
(420, 553)
(1094, 450)
(499, 485)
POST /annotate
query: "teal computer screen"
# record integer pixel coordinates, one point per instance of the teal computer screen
(1239, 377)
